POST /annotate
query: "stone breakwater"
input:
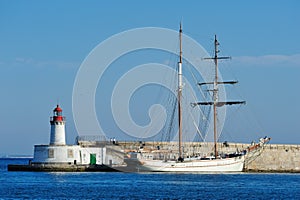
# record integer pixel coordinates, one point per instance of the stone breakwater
(277, 158)
(273, 157)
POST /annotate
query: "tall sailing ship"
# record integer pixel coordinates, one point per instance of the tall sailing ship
(230, 162)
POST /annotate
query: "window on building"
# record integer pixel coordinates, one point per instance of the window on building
(70, 153)
(50, 153)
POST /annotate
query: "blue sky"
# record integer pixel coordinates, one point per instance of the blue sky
(43, 43)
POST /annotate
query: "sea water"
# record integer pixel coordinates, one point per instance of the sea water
(110, 185)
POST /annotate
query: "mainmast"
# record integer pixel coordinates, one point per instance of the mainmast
(216, 94)
(216, 103)
(215, 97)
(180, 85)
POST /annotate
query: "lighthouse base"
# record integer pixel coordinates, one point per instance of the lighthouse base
(84, 157)
(61, 167)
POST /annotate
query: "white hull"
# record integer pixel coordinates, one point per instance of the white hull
(235, 164)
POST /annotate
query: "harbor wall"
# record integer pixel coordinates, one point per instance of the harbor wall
(273, 158)
(277, 158)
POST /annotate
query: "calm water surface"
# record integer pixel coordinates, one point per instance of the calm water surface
(40, 185)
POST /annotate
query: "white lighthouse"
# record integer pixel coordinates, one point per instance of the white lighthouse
(59, 156)
(57, 132)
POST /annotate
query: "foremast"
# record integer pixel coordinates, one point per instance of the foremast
(179, 95)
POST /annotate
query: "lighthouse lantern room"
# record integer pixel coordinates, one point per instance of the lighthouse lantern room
(57, 132)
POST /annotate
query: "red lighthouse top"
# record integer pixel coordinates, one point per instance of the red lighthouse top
(57, 109)
(57, 114)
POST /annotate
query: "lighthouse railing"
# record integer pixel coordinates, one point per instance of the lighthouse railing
(91, 140)
(56, 117)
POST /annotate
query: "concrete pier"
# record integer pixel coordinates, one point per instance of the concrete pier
(274, 157)
(277, 158)
(45, 167)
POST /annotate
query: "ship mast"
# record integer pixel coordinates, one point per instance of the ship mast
(216, 103)
(180, 85)
(216, 95)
